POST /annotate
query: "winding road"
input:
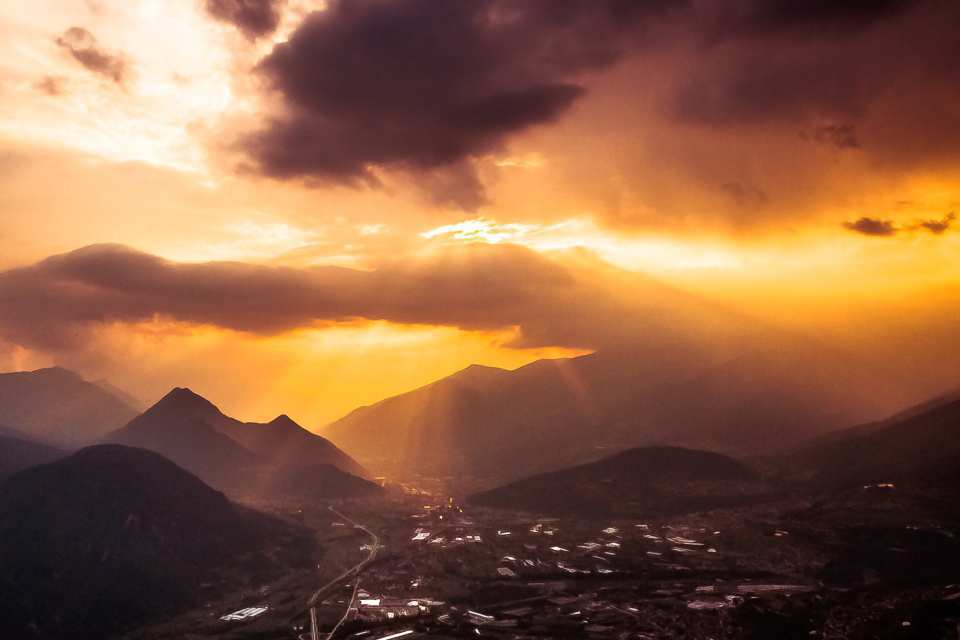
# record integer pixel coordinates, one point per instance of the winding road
(352, 571)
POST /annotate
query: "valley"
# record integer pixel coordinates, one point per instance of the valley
(479, 320)
(244, 530)
(784, 569)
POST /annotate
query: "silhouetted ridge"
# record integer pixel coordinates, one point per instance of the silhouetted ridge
(673, 463)
(318, 482)
(285, 444)
(179, 427)
(111, 536)
(183, 399)
(57, 373)
(920, 445)
(491, 426)
(238, 457)
(58, 407)
(18, 452)
(641, 481)
(9, 432)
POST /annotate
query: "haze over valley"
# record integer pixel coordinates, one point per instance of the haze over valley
(509, 319)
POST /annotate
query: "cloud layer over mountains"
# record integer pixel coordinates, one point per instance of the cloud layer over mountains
(480, 287)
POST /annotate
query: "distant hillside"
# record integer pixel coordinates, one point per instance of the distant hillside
(235, 456)
(921, 444)
(18, 452)
(318, 482)
(9, 432)
(110, 537)
(641, 481)
(501, 425)
(173, 429)
(283, 442)
(59, 407)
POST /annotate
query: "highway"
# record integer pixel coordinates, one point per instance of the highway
(352, 571)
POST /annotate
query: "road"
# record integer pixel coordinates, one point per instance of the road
(352, 571)
(346, 614)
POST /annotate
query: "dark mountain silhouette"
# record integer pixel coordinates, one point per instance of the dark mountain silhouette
(283, 442)
(18, 452)
(112, 536)
(241, 457)
(9, 432)
(641, 481)
(501, 425)
(59, 407)
(315, 482)
(175, 427)
(919, 445)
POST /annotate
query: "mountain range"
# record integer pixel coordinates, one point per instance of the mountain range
(58, 407)
(643, 481)
(500, 425)
(242, 457)
(115, 534)
(18, 451)
(918, 445)
(918, 448)
(112, 536)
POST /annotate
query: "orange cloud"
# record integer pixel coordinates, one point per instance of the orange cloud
(475, 287)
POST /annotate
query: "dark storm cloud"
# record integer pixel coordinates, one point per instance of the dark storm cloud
(419, 85)
(876, 80)
(872, 227)
(762, 17)
(49, 303)
(749, 87)
(786, 59)
(254, 18)
(424, 89)
(878, 227)
(52, 304)
(83, 46)
(940, 226)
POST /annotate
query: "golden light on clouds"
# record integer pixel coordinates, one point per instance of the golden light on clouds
(172, 87)
(316, 375)
(818, 201)
(644, 253)
(532, 160)
(248, 240)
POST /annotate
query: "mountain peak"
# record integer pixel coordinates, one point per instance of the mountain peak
(658, 479)
(122, 516)
(478, 373)
(184, 399)
(182, 391)
(58, 372)
(284, 420)
(58, 406)
(479, 367)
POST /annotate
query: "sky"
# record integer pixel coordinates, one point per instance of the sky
(303, 207)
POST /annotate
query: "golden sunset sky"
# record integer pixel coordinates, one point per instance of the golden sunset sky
(304, 207)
